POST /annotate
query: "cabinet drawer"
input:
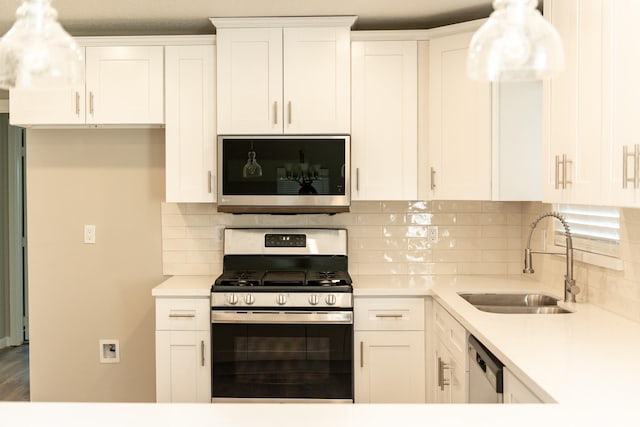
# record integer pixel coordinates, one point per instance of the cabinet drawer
(183, 314)
(452, 333)
(389, 314)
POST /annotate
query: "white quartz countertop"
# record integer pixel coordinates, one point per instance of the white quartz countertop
(185, 286)
(26, 414)
(583, 358)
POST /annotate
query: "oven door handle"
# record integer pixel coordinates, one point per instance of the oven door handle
(283, 317)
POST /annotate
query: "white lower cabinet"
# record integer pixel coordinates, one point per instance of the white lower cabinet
(183, 350)
(450, 364)
(515, 391)
(389, 356)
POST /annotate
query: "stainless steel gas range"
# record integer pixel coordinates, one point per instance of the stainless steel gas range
(282, 317)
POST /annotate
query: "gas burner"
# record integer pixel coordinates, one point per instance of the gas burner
(240, 278)
(328, 278)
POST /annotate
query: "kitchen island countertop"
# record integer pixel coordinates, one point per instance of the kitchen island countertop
(25, 414)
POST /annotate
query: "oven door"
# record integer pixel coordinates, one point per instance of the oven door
(282, 356)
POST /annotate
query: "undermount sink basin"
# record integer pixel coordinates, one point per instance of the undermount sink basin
(514, 303)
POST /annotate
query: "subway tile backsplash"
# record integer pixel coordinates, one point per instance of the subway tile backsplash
(385, 237)
(389, 237)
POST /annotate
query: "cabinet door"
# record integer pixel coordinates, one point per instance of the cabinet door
(621, 90)
(389, 367)
(317, 90)
(384, 134)
(451, 376)
(459, 124)
(249, 80)
(516, 392)
(572, 160)
(125, 85)
(190, 123)
(183, 366)
(47, 106)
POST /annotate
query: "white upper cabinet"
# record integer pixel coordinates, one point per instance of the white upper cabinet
(190, 131)
(621, 99)
(280, 75)
(384, 125)
(48, 106)
(459, 124)
(484, 140)
(592, 151)
(123, 85)
(249, 80)
(572, 161)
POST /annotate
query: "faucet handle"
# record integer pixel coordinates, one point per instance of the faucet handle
(575, 290)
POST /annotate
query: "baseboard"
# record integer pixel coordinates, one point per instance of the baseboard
(4, 342)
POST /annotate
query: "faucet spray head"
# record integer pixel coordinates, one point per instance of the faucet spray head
(528, 262)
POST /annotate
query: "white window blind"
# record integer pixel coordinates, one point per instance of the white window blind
(594, 229)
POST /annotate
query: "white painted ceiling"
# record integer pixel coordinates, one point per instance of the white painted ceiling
(146, 17)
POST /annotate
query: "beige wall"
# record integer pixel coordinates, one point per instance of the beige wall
(80, 293)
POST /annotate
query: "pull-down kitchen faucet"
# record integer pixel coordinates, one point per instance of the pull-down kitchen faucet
(570, 288)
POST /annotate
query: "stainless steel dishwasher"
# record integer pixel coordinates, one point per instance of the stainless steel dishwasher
(485, 374)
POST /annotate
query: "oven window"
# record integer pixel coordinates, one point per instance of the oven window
(272, 167)
(282, 361)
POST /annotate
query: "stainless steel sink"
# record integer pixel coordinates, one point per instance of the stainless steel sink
(514, 303)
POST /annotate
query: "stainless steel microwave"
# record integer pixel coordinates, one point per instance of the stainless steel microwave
(284, 174)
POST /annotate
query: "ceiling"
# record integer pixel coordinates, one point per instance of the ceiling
(168, 17)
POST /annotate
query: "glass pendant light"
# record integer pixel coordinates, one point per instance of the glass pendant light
(37, 52)
(516, 43)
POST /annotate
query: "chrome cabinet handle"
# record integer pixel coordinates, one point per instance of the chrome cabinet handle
(275, 113)
(289, 112)
(625, 166)
(394, 316)
(565, 162)
(433, 178)
(362, 354)
(636, 164)
(557, 183)
(441, 368)
(91, 103)
(181, 315)
(357, 179)
(202, 353)
(210, 182)
(77, 103)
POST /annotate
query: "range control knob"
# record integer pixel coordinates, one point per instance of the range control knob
(232, 299)
(281, 299)
(249, 299)
(314, 299)
(330, 299)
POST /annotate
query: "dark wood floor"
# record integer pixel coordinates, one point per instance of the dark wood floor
(14, 373)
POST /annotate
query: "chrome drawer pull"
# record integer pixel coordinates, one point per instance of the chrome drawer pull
(393, 316)
(182, 315)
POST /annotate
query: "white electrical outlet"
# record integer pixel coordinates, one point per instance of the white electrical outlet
(109, 351)
(432, 234)
(89, 233)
